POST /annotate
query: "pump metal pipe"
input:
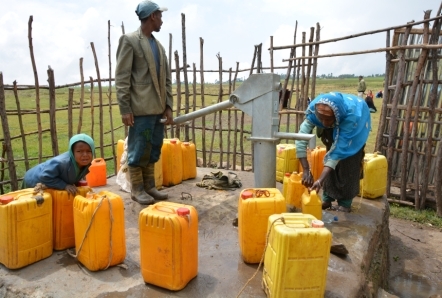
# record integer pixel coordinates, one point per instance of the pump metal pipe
(203, 112)
(311, 138)
(258, 97)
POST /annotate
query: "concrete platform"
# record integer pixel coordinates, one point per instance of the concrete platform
(221, 271)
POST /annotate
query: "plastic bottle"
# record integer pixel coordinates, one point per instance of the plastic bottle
(328, 217)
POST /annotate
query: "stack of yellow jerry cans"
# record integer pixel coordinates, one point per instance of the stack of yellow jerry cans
(286, 161)
(120, 148)
(36, 223)
(179, 161)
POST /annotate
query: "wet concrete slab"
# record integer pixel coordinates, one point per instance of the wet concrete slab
(221, 271)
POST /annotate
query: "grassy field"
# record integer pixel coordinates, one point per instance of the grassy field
(91, 119)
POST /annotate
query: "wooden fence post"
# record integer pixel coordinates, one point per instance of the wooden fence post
(7, 137)
(203, 119)
(52, 108)
(80, 117)
(70, 116)
(22, 131)
(100, 101)
(178, 96)
(186, 81)
(109, 96)
(37, 91)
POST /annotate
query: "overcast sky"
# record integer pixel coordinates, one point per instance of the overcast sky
(62, 31)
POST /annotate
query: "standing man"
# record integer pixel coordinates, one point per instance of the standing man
(144, 92)
(361, 87)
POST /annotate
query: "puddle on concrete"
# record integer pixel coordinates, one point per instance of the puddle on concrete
(66, 260)
(412, 286)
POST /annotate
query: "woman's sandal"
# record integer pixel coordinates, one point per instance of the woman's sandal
(326, 205)
(342, 209)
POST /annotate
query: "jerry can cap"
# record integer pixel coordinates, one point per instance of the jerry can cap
(183, 211)
(6, 199)
(186, 143)
(317, 223)
(82, 183)
(287, 174)
(247, 194)
(173, 141)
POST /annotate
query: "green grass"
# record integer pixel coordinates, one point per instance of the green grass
(427, 216)
(27, 102)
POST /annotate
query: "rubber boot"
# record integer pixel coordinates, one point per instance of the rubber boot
(137, 191)
(149, 183)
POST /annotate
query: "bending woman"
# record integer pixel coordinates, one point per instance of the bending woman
(343, 123)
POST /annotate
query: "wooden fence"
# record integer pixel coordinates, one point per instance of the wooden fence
(412, 64)
(409, 133)
(31, 135)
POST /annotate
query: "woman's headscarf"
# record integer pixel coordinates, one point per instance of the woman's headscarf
(352, 124)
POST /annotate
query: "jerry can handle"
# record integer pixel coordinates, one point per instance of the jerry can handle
(40, 200)
(298, 225)
(165, 209)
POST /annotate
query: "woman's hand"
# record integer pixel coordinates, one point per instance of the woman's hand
(317, 185)
(72, 189)
(307, 178)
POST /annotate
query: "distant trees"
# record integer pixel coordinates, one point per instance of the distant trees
(331, 76)
(346, 76)
(283, 76)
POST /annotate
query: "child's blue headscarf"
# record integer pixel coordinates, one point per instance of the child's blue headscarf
(352, 125)
(77, 138)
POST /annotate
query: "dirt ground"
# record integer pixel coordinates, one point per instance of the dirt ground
(415, 259)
